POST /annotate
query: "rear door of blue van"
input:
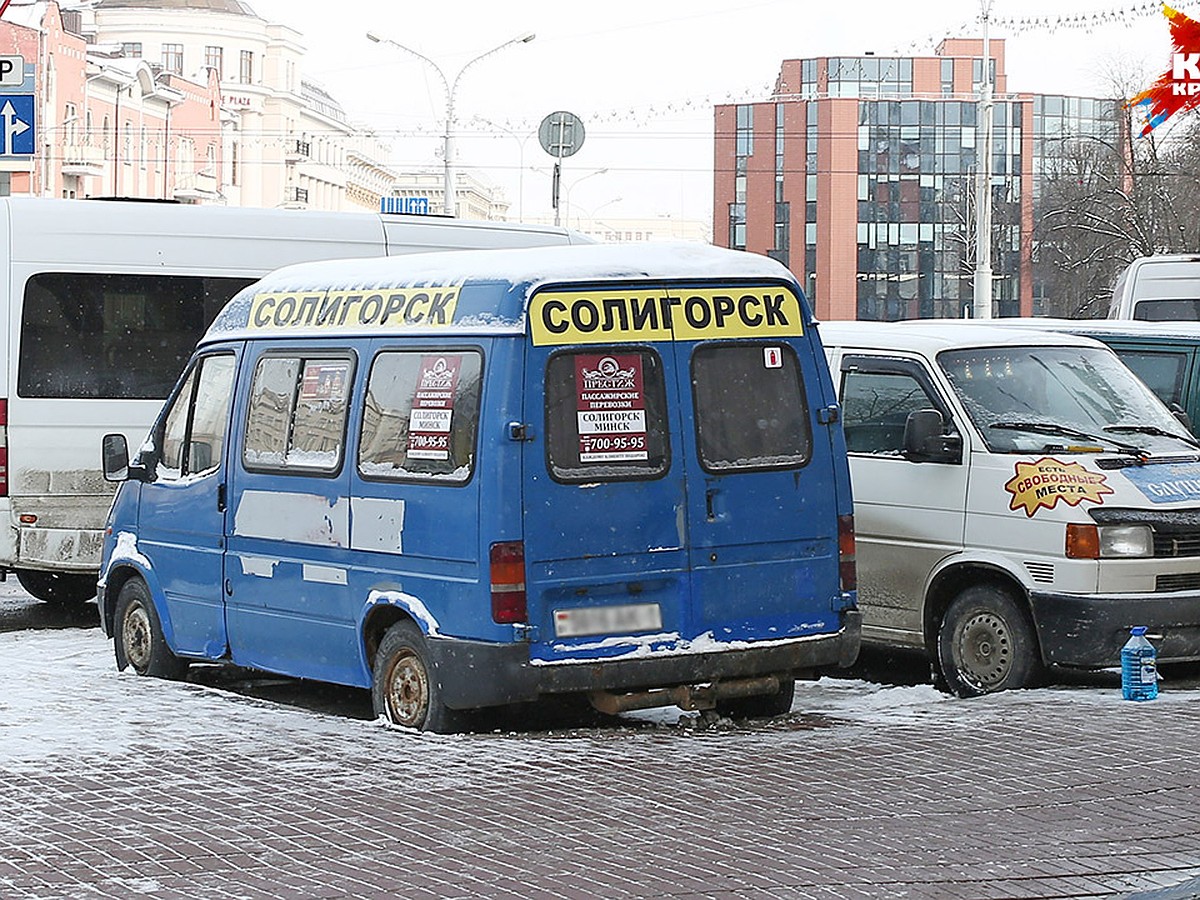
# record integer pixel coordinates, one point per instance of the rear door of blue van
(684, 488)
(762, 503)
(604, 499)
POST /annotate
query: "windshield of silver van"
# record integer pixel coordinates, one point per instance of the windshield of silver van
(1081, 399)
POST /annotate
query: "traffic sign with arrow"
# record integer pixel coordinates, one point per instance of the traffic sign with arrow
(17, 113)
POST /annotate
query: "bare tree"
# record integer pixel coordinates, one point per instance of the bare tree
(1102, 202)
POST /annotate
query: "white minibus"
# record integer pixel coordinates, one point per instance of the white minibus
(104, 302)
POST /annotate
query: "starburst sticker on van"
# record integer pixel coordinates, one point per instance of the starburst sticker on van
(1041, 484)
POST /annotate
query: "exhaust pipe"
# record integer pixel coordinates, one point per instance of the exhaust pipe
(686, 696)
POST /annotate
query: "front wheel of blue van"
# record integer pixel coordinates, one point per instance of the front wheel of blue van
(986, 643)
(138, 637)
(404, 688)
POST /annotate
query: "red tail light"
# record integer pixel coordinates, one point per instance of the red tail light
(507, 561)
(846, 567)
(3, 448)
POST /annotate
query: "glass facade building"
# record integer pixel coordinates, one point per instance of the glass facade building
(881, 154)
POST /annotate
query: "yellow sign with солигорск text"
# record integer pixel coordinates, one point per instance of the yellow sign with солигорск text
(684, 314)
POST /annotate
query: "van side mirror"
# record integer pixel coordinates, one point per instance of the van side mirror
(201, 457)
(114, 453)
(1182, 416)
(925, 439)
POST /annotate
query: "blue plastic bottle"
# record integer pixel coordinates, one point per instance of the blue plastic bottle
(1139, 673)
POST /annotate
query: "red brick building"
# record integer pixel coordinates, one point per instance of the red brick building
(859, 174)
(107, 125)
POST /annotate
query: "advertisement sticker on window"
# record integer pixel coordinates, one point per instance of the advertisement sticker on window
(611, 408)
(432, 408)
(325, 381)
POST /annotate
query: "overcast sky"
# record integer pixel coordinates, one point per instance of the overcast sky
(643, 75)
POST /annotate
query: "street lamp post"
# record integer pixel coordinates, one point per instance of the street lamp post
(567, 194)
(981, 306)
(451, 88)
(520, 162)
(591, 215)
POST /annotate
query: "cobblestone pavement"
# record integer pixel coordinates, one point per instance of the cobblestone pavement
(230, 786)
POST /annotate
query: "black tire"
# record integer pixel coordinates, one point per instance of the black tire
(761, 706)
(404, 686)
(137, 635)
(986, 643)
(59, 588)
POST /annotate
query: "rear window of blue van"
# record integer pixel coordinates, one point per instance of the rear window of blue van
(606, 415)
(751, 412)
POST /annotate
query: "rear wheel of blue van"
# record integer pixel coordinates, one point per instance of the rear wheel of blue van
(405, 688)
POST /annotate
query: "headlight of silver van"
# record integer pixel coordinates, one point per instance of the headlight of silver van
(1126, 540)
(1109, 541)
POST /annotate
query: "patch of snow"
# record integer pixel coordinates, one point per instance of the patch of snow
(640, 646)
(415, 608)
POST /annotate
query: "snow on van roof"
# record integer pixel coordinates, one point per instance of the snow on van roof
(1134, 328)
(495, 284)
(931, 336)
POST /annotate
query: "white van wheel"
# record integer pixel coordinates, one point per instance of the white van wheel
(60, 588)
(403, 687)
(137, 635)
(986, 643)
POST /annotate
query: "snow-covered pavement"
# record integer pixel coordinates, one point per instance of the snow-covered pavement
(118, 786)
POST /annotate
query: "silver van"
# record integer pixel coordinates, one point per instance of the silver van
(1158, 289)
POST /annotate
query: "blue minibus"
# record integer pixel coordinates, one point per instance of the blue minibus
(476, 478)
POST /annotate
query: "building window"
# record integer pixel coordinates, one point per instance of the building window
(737, 226)
(745, 131)
(144, 150)
(233, 164)
(172, 58)
(131, 49)
(246, 67)
(214, 58)
(977, 72)
(127, 144)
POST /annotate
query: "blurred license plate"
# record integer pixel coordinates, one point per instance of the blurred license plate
(588, 620)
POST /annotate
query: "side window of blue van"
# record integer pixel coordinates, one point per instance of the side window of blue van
(751, 411)
(193, 438)
(297, 414)
(421, 416)
(606, 415)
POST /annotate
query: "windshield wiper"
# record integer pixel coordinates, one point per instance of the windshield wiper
(1154, 430)
(1069, 432)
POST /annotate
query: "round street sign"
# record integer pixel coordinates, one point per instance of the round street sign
(561, 134)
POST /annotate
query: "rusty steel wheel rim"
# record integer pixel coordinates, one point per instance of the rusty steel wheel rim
(985, 654)
(408, 690)
(136, 637)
